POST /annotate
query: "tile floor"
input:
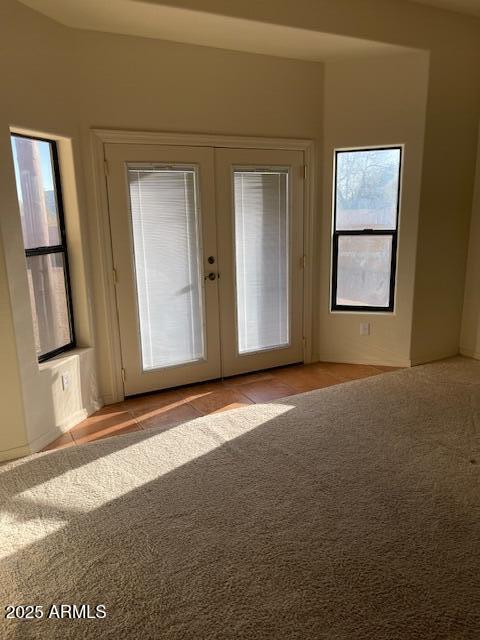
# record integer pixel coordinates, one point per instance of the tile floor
(167, 408)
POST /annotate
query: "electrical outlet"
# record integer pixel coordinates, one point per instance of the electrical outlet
(65, 381)
(364, 328)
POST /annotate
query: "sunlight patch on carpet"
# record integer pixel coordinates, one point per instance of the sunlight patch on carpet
(49, 506)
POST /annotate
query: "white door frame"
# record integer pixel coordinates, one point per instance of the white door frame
(106, 279)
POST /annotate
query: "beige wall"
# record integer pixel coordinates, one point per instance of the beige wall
(13, 436)
(446, 204)
(470, 339)
(374, 103)
(36, 63)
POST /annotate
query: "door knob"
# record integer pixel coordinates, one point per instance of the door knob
(211, 276)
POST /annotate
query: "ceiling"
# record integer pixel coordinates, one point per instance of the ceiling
(471, 7)
(152, 20)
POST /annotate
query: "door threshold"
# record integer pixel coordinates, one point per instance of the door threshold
(211, 380)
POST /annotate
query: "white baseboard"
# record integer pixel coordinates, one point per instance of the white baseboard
(78, 416)
(469, 353)
(46, 438)
(427, 360)
(109, 399)
(13, 454)
(370, 361)
(73, 419)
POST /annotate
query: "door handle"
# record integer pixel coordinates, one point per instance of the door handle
(211, 276)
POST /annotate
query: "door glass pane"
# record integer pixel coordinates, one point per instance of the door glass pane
(34, 175)
(166, 239)
(364, 270)
(367, 189)
(261, 259)
(48, 296)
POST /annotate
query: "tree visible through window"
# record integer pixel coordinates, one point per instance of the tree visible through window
(367, 185)
(41, 211)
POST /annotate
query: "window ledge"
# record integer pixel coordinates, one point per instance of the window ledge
(63, 358)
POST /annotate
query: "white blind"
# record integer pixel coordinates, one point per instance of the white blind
(261, 257)
(165, 224)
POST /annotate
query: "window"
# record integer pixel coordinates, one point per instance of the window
(165, 218)
(261, 258)
(367, 191)
(40, 201)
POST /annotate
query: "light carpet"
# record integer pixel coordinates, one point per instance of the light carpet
(351, 512)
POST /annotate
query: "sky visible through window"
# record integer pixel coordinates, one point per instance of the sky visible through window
(42, 236)
(45, 163)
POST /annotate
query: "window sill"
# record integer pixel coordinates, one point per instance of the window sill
(361, 312)
(63, 358)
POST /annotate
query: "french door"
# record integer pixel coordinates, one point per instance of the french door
(260, 250)
(208, 253)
